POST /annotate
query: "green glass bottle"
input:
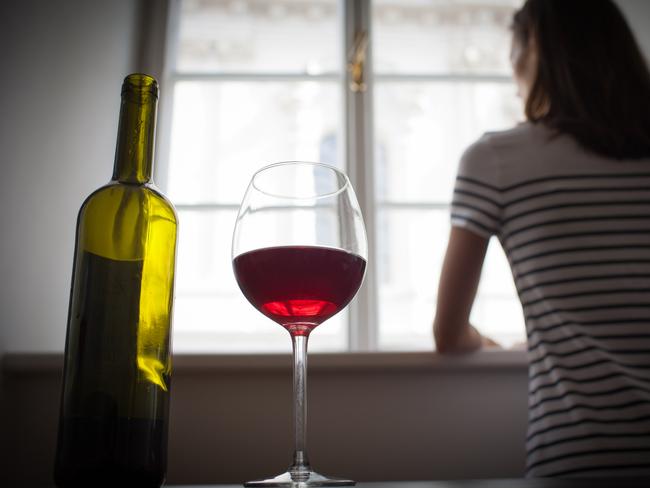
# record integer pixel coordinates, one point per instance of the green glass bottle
(115, 397)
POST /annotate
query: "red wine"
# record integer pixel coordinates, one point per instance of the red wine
(299, 287)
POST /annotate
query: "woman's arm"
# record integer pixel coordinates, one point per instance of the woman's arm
(461, 272)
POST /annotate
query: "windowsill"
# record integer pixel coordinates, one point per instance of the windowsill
(38, 363)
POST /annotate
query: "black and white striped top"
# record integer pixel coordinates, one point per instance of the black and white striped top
(576, 230)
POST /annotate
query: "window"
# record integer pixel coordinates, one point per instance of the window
(250, 82)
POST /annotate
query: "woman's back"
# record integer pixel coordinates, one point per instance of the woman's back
(575, 227)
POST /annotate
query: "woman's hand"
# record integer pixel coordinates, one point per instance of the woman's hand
(488, 343)
(468, 341)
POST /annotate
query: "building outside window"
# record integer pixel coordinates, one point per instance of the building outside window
(252, 82)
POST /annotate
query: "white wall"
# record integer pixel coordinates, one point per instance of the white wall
(62, 66)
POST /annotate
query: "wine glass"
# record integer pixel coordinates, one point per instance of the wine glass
(299, 255)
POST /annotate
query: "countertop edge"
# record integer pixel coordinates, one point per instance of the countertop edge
(21, 363)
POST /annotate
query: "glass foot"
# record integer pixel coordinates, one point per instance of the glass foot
(301, 479)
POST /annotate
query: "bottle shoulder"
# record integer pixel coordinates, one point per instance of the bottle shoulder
(164, 202)
(122, 221)
(117, 197)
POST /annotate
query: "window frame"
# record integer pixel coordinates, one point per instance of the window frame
(158, 53)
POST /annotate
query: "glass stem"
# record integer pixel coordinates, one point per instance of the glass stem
(300, 460)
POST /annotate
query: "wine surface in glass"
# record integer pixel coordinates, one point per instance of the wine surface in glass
(299, 287)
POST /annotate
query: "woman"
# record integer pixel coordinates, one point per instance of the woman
(568, 195)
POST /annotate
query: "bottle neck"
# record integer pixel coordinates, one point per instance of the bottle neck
(135, 138)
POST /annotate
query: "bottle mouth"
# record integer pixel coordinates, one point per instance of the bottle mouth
(140, 84)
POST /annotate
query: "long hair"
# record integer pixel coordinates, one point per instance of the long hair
(592, 81)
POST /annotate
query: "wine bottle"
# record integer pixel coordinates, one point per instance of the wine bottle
(116, 379)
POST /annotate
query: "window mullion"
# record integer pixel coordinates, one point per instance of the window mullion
(363, 323)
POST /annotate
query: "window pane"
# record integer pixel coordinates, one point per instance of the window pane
(210, 312)
(444, 36)
(411, 245)
(422, 128)
(497, 311)
(297, 36)
(224, 131)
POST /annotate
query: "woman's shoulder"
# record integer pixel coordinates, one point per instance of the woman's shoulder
(493, 148)
(523, 135)
(524, 149)
(506, 157)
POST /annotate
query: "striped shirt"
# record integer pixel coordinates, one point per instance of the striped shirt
(576, 230)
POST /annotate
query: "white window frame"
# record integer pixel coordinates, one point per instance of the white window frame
(160, 22)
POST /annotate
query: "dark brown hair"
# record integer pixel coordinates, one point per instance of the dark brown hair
(592, 81)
